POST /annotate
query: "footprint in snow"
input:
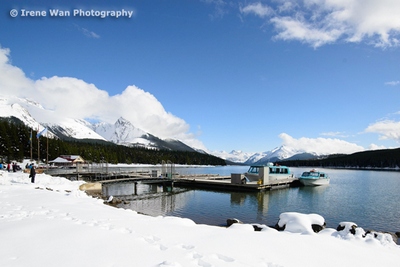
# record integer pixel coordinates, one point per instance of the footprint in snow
(169, 263)
(225, 258)
(187, 247)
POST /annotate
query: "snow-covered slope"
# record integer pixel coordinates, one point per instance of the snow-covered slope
(74, 128)
(12, 108)
(237, 156)
(122, 132)
(33, 115)
(62, 226)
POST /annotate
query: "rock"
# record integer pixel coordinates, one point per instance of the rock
(347, 226)
(377, 234)
(90, 186)
(113, 201)
(277, 227)
(116, 201)
(300, 223)
(318, 228)
(231, 221)
(257, 227)
(398, 234)
(261, 227)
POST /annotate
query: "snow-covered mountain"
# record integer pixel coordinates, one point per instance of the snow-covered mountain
(14, 109)
(72, 128)
(237, 156)
(122, 132)
(278, 153)
(261, 158)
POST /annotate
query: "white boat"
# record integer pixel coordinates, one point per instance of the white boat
(314, 178)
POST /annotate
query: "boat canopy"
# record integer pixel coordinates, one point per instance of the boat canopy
(313, 174)
(272, 169)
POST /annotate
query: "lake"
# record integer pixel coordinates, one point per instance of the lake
(368, 198)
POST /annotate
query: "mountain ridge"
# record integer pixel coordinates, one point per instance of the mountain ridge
(123, 132)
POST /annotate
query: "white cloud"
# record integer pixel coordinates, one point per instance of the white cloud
(388, 129)
(376, 147)
(12, 79)
(257, 9)
(334, 134)
(219, 8)
(320, 145)
(294, 29)
(318, 22)
(75, 98)
(87, 32)
(393, 83)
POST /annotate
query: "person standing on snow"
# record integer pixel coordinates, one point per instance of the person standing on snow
(32, 174)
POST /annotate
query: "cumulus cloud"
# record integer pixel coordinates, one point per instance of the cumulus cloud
(320, 145)
(12, 79)
(388, 129)
(319, 22)
(74, 98)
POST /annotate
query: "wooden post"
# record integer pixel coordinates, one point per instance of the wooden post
(38, 149)
(30, 141)
(47, 156)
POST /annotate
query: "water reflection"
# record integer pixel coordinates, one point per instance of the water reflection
(258, 200)
(368, 198)
(150, 199)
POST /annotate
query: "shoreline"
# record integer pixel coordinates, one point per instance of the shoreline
(94, 190)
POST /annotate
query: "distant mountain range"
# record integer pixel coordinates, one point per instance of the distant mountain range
(123, 132)
(262, 158)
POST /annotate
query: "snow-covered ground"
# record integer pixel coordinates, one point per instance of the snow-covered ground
(53, 223)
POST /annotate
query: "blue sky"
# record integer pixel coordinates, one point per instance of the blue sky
(222, 75)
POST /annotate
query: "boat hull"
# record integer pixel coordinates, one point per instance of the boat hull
(314, 182)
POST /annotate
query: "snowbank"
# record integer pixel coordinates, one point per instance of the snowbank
(53, 223)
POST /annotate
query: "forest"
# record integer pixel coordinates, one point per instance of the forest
(15, 138)
(372, 159)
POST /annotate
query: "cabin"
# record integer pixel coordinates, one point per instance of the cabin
(67, 161)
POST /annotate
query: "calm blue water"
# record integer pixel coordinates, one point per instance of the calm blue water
(368, 198)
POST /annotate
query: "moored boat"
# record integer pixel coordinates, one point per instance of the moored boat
(314, 178)
(268, 175)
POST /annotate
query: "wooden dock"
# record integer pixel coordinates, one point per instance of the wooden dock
(204, 181)
(224, 183)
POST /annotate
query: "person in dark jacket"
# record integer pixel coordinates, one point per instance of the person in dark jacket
(32, 174)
